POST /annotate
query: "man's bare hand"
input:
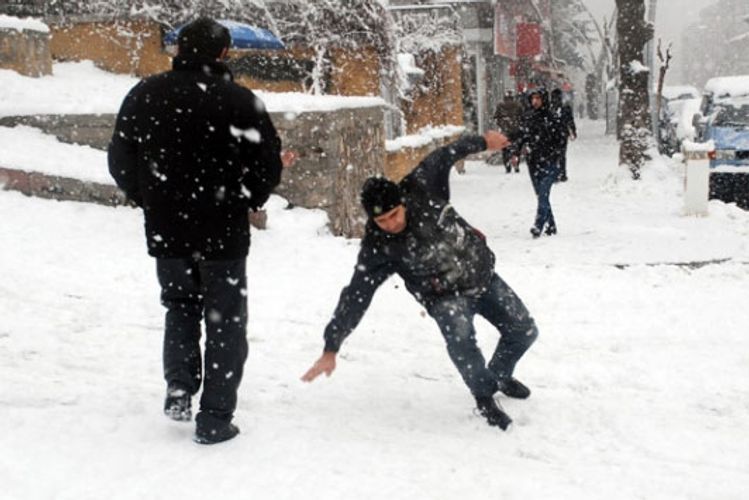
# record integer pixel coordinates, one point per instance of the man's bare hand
(326, 365)
(288, 158)
(496, 140)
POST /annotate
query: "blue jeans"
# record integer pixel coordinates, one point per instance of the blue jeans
(543, 178)
(213, 293)
(505, 311)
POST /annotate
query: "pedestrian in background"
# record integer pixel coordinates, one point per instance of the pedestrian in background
(541, 133)
(197, 152)
(507, 117)
(566, 116)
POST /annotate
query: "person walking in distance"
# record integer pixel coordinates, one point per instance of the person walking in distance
(446, 264)
(566, 117)
(197, 152)
(541, 133)
(507, 117)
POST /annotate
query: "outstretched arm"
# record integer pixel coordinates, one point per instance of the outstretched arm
(369, 274)
(434, 171)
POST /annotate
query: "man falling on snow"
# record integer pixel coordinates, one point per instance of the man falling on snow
(447, 266)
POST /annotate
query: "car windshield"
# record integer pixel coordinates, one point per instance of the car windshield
(732, 116)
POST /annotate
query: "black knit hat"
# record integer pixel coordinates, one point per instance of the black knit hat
(203, 37)
(380, 195)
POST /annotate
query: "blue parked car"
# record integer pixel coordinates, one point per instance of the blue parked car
(724, 119)
(728, 128)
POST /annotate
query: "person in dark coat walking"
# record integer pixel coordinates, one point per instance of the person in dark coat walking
(541, 133)
(507, 117)
(446, 264)
(197, 152)
(567, 118)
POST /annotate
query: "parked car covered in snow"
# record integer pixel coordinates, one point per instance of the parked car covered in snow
(720, 92)
(724, 120)
(673, 104)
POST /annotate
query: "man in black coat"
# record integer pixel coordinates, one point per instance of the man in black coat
(567, 118)
(447, 266)
(196, 152)
(541, 133)
(507, 116)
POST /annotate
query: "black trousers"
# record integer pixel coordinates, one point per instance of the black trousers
(217, 291)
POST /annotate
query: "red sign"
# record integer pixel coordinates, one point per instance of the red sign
(528, 39)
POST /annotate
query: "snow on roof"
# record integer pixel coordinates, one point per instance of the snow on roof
(728, 86)
(680, 92)
(21, 24)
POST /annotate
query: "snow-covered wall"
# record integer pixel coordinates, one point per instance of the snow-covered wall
(24, 46)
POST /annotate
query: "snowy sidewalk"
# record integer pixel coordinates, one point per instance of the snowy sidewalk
(639, 374)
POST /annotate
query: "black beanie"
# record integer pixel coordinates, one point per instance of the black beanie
(380, 195)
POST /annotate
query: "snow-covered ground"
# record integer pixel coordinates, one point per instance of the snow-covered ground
(639, 376)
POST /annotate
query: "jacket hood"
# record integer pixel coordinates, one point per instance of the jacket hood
(542, 92)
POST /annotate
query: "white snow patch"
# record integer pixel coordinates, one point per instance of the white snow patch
(251, 134)
(34, 151)
(80, 88)
(725, 87)
(423, 137)
(637, 67)
(22, 23)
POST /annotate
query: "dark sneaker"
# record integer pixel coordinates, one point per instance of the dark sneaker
(513, 388)
(491, 411)
(551, 230)
(212, 430)
(178, 404)
(535, 232)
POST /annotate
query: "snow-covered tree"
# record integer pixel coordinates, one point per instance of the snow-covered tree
(633, 32)
(574, 34)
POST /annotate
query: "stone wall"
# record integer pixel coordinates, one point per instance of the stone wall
(337, 151)
(26, 52)
(60, 188)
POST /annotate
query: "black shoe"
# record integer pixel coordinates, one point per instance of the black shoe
(489, 409)
(535, 232)
(551, 230)
(213, 430)
(562, 178)
(513, 388)
(178, 404)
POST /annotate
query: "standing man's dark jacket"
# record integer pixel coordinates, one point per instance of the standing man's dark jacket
(438, 254)
(196, 151)
(541, 132)
(567, 117)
